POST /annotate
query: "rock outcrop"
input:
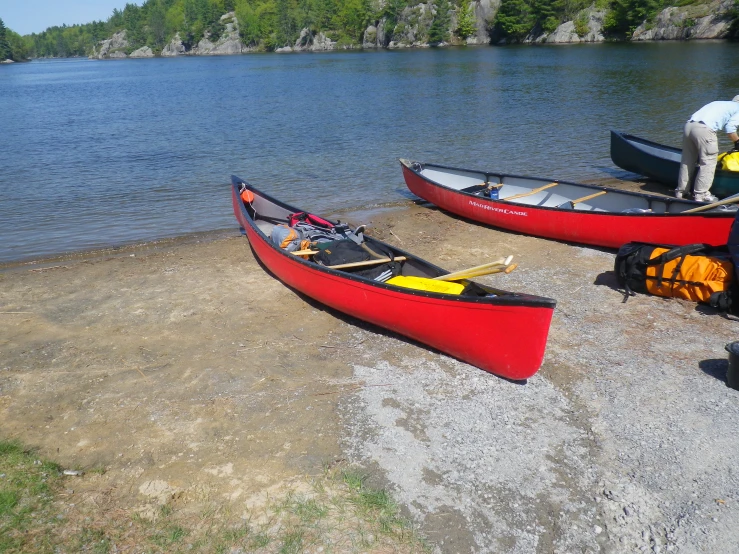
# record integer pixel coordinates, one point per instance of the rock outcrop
(228, 43)
(704, 21)
(114, 47)
(412, 27)
(174, 48)
(591, 27)
(310, 42)
(143, 52)
(484, 11)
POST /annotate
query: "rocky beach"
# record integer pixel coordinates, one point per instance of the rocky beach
(181, 374)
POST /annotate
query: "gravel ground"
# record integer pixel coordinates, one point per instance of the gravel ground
(625, 441)
(188, 367)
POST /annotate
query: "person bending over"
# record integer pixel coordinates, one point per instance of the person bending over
(700, 146)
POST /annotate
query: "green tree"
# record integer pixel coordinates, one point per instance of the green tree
(439, 30)
(249, 23)
(352, 19)
(514, 19)
(465, 20)
(733, 15)
(285, 28)
(134, 25)
(547, 13)
(624, 16)
(391, 11)
(18, 46)
(157, 24)
(5, 52)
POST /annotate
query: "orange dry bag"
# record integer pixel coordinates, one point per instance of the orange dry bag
(693, 272)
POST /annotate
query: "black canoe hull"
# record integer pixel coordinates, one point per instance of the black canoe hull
(662, 163)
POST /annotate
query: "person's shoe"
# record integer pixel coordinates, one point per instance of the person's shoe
(679, 193)
(705, 197)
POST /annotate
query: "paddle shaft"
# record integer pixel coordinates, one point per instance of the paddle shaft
(368, 262)
(466, 274)
(730, 200)
(534, 191)
(480, 273)
(501, 261)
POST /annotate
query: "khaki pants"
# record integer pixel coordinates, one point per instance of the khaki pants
(700, 146)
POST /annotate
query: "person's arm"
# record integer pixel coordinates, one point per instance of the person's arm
(731, 129)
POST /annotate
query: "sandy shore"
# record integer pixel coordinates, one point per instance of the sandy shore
(189, 373)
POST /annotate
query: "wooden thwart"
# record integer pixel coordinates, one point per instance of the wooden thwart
(588, 197)
(534, 191)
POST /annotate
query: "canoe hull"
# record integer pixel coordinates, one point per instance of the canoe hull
(662, 163)
(596, 228)
(505, 339)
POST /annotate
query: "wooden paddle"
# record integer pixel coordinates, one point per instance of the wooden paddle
(368, 262)
(501, 261)
(480, 273)
(730, 200)
(583, 199)
(534, 191)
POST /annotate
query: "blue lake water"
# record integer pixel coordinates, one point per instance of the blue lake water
(97, 154)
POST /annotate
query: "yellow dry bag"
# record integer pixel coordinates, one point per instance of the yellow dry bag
(728, 161)
(429, 285)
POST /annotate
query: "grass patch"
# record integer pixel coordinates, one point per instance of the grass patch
(336, 513)
(26, 495)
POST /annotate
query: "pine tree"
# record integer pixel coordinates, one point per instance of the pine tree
(514, 19)
(5, 52)
(465, 20)
(439, 30)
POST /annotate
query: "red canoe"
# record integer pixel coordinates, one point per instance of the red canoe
(501, 332)
(566, 211)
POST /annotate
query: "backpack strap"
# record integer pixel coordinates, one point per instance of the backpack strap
(677, 252)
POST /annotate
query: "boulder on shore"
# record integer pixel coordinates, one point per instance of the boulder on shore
(143, 52)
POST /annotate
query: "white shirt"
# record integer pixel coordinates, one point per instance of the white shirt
(719, 115)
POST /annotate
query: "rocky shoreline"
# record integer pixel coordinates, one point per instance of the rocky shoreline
(691, 22)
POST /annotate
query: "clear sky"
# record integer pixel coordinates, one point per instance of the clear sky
(33, 16)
